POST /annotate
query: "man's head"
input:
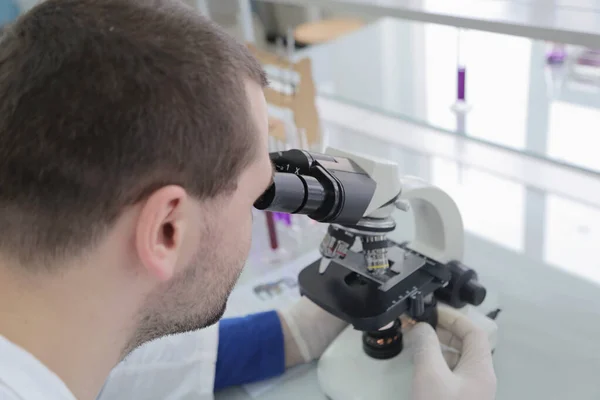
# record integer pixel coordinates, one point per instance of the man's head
(133, 140)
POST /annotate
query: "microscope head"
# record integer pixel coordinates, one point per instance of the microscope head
(385, 174)
(334, 187)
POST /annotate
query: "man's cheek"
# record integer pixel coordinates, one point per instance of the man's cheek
(240, 225)
(246, 231)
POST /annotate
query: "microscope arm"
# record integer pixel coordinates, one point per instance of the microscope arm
(439, 232)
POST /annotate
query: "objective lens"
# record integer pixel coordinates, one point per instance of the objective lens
(291, 193)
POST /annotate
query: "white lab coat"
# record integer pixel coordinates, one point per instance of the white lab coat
(24, 377)
(177, 367)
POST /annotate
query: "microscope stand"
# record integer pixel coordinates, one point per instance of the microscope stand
(346, 372)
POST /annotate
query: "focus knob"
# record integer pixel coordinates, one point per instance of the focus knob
(463, 287)
(472, 292)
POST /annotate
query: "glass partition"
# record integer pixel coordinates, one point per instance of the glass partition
(534, 97)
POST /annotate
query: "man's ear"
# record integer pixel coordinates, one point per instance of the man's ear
(160, 231)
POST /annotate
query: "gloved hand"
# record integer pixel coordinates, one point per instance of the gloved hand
(307, 331)
(446, 376)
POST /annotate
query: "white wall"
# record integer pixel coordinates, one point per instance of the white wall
(26, 4)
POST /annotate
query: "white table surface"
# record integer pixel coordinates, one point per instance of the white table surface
(566, 21)
(537, 255)
(409, 70)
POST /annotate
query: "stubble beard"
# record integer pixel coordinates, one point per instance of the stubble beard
(172, 313)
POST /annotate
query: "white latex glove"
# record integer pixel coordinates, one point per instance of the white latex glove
(308, 330)
(472, 377)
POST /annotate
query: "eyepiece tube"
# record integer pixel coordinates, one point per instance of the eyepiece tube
(286, 194)
(292, 194)
(315, 195)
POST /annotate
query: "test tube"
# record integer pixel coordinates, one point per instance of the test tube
(272, 230)
(290, 49)
(461, 104)
(461, 69)
(284, 218)
(557, 54)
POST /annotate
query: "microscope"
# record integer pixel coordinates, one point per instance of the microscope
(364, 277)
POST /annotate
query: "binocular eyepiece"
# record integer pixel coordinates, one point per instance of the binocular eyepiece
(293, 194)
(325, 188)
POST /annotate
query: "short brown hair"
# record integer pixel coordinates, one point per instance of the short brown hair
(103, 102)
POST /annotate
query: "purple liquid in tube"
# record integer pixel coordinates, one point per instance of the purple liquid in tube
(557, 54)
(283, 217)
(460, 92)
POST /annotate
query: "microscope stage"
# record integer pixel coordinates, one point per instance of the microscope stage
(361, 301)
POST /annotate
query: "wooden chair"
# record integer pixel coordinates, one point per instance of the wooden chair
(326, 30)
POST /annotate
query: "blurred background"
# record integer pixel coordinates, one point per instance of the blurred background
(495, 101)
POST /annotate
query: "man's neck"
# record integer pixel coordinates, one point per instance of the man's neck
(76, 335)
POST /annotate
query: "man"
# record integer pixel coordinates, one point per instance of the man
(133, 144)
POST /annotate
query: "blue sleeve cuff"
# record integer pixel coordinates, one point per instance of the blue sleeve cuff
(250, 349)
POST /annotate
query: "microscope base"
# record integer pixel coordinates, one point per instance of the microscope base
(346, 372)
